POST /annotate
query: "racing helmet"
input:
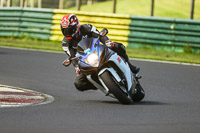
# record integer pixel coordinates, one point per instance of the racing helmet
(70, 25)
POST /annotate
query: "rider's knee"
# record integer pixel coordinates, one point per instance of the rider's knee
(80, 82)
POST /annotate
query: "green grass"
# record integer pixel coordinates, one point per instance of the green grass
(164, 56)
(163, 8)
(31, 44)
(134, 53)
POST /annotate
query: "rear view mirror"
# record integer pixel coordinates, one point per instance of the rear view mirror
(66, 62)
(104, 32)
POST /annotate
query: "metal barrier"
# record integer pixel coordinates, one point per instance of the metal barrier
(117, 25)
(26, 22)
(170, 34)
(132, 31)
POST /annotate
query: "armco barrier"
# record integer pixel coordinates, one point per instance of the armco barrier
(118, 25)
(134, 31)
(173, 34)
(26, 22)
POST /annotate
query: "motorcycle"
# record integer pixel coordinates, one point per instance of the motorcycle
(107, 71)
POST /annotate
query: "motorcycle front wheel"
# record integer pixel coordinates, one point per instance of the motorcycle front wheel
(114, 88)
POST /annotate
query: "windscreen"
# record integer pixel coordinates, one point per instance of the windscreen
(84, 45)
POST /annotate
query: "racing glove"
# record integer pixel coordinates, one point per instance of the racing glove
(109, 44)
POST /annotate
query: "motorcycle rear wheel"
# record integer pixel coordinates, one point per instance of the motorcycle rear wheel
(139, 94)
(114, 88)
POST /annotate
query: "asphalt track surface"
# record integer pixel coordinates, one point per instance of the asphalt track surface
(171, 105)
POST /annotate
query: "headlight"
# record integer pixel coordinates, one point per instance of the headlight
(93, 59)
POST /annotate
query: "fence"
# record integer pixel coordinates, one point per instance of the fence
(153, 6)
(132, 31)
(26, 22)
(169, 34)
(115, 23)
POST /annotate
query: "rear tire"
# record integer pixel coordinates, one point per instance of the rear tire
(114, 88)
(139, 94)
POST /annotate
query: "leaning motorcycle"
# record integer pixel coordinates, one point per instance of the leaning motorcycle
(107, 71)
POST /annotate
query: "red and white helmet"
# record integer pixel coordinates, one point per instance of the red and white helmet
(70, 25)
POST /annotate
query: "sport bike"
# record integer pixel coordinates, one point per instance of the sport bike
(107, 71)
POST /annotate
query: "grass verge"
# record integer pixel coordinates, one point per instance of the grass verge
(133, 53)
(162, 8)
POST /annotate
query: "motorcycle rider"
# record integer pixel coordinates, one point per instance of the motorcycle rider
(73, 33)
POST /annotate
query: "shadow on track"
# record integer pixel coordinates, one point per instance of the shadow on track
(134, 103)
(149, 103)
(138, 103)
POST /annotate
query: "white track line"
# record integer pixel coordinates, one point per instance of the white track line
(145, 60)
(167, 62)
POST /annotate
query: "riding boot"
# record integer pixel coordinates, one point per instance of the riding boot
(133, 68)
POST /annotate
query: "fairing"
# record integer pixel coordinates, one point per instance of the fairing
(87, 47)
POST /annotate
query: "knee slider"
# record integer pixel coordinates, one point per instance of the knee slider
(79, 83)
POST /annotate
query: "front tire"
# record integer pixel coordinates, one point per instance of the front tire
(114, 88)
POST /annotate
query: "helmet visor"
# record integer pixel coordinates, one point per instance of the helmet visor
(67, 31)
